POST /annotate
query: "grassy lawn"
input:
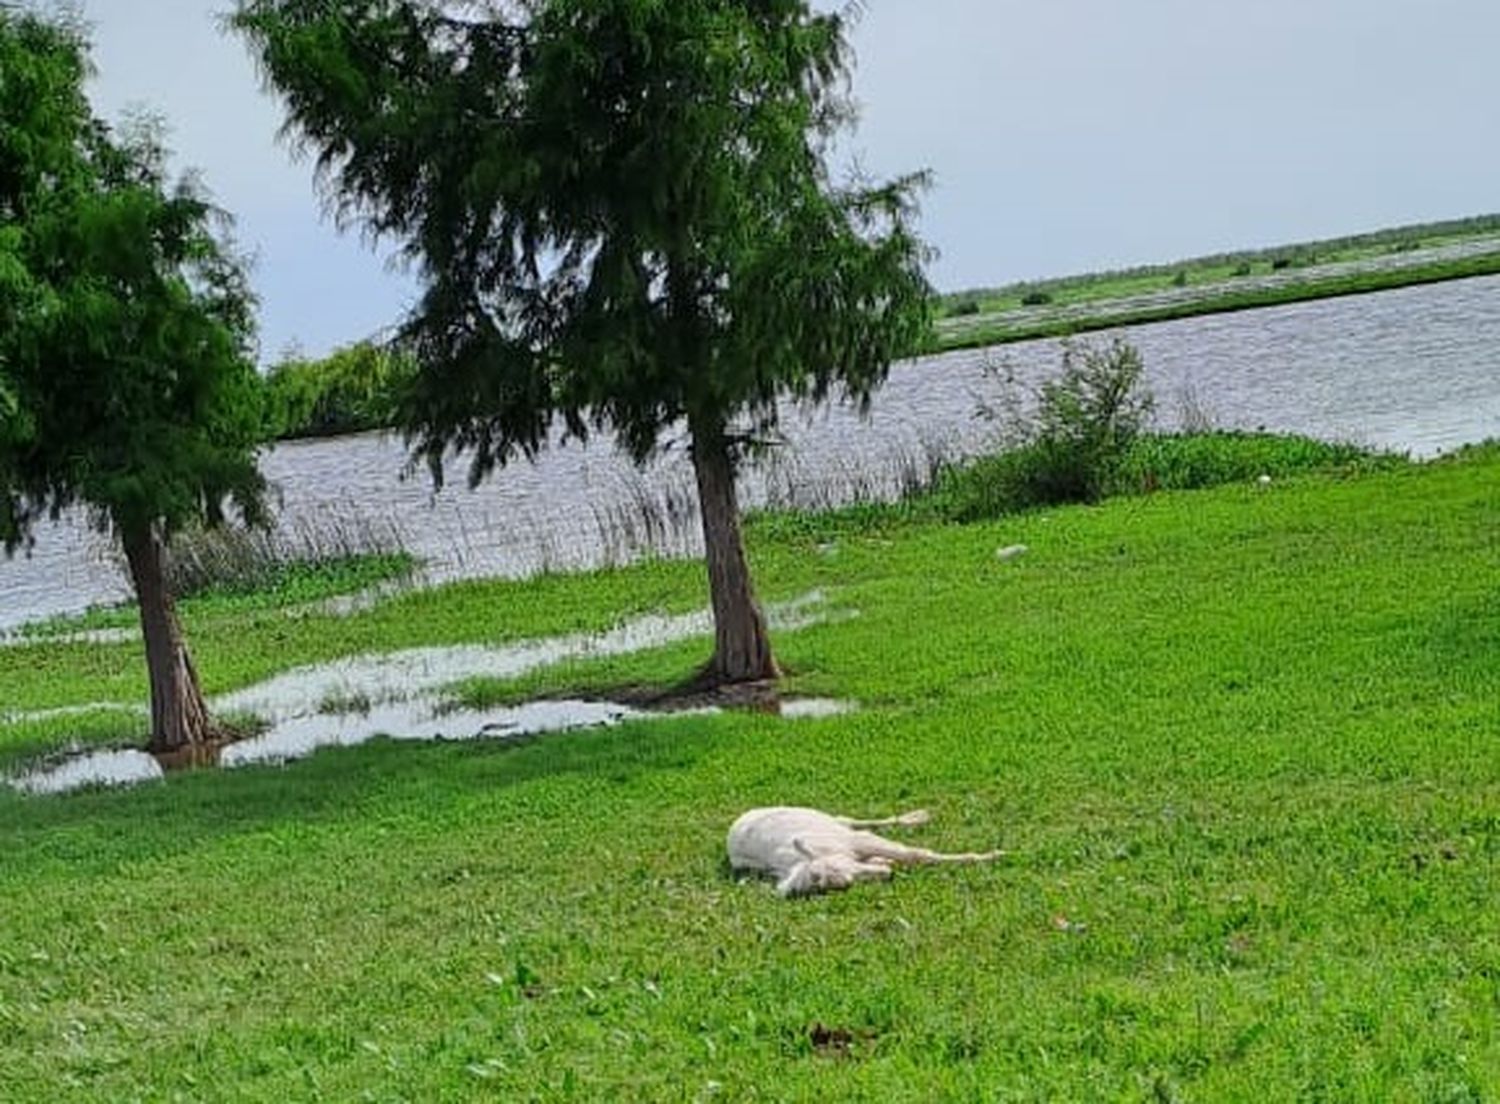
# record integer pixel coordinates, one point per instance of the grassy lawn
(1242, 743)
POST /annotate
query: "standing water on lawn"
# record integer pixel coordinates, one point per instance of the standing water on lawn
(405, 695)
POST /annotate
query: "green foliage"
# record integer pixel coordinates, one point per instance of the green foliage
(1074, 429)
(1096, 406)
(354, 389)
(1016, 479)
(1184, 462)
(1033, 475)
(620, 207)
(1036, 298)
(1240, 745)
(125, 320)
(1487, 450)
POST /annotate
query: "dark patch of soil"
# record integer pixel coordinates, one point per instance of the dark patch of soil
(835, 1042)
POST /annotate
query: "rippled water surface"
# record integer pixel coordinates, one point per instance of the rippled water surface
(1416, 370)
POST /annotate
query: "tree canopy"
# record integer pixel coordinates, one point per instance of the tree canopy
(125, 322)
(626, 199)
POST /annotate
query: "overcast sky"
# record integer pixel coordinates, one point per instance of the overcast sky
(1064, 135)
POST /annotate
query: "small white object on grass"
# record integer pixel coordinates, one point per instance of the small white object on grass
(1264, 480)
(1014, 552)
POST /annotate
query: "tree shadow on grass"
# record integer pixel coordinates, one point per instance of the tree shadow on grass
(97, 830)
(1464, 638)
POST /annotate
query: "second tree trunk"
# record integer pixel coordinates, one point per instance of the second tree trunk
(742, 647)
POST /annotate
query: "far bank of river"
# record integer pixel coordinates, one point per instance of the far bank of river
(1085, 304)
(1415, 370)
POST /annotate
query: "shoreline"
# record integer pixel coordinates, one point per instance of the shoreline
(986, 329)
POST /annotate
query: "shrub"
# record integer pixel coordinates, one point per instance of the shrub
(1181, 279)
(1298, 258)
(1029, 476)
(1073, 433)
(963, 308)
(1088, 416)
(1081, 437)
(1242, 269)
(1017, 479)
(1036, 298)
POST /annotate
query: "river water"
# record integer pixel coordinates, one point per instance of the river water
(1414, 370)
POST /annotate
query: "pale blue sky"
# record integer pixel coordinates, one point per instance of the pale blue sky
(1064, 135)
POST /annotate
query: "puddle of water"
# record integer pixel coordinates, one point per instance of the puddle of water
(79, 636)
(26, 716)
(409, 675)
(401, 695)
(423, 720)
(100, 768)
(403, 676)
(800, 708)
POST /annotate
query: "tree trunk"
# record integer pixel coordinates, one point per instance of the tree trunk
(179, 715)
(742, 647)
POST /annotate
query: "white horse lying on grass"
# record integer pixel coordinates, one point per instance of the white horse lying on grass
(811, 852)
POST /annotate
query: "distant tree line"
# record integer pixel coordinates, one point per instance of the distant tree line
(353, 389)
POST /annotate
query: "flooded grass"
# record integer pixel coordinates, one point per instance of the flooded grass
(405, 695)
(424, 718)
(1410, 370)
(125, 767)
(419, 720)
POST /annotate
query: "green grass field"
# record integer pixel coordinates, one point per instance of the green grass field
(1242, 743)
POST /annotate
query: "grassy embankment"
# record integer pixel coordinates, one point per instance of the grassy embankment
(1216, 284)
(1241, 742)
